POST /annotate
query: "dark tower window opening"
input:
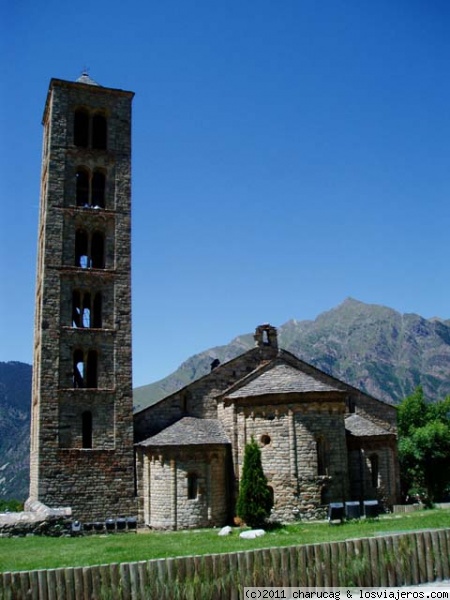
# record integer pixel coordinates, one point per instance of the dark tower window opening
(85, 368)
(97, 311)
(192, 486)
(86, 429)
(98, 250)
(86, 314)
(76, 309)
(81, 250)
(78, 369)
(99, 131)
(98, 189)
(86, 310)
(90, 189)
(91, 369)
(265, 338)
(90, 131)
(81, 128)
(82, 187)
(89, 251)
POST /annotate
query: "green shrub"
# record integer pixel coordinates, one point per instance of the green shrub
(255, 500)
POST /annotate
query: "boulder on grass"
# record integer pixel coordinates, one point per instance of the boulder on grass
(225, 530)
(252, 534)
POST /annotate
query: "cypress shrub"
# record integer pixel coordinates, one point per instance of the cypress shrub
(255, 499)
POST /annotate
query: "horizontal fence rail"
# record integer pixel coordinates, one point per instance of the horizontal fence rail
(393, 560)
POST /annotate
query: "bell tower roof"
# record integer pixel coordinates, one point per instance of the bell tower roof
(86, 79)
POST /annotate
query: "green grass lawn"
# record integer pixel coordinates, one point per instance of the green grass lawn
(24, 554)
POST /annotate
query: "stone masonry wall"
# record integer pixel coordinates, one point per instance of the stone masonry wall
(96, 482)
(287, 435)
(362, 475)
(200, 399)
(166, 504)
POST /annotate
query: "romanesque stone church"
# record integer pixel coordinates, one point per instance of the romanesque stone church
(177, 463)
(321, 441)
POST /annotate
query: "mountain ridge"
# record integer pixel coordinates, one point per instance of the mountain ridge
(372, 347)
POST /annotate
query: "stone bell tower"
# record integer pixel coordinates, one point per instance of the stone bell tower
(82, 421)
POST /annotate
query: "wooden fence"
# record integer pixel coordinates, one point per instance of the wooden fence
(393, 560)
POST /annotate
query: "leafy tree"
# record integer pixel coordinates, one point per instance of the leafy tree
(424, 446)
(255, 500)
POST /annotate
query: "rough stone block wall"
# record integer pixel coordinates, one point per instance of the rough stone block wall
(71, 409)
(168, 505)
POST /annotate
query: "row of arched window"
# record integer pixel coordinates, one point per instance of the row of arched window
(90, 130)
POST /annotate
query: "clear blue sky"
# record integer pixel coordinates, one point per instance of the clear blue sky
(286, 155)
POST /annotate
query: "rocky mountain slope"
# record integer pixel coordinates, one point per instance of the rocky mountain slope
(15, 393)
(374, 348)
(371, 347)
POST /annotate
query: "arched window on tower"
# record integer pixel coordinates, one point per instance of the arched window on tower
(89, 250)
(81, 128)
(97, 311)
(85, 369)
(86, 309)
(98, 189)
(86, 429)
(98, 250)
(78, 369)
(82, 187)
(91, 369)
(89, 131)
(76, 309)
(82, 250)
(99, 130)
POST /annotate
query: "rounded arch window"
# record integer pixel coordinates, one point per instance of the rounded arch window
(98, 250)
(192, 486)
(265, 439)
(98, 189)
(81, 128)
(82, 186)
(99, 131)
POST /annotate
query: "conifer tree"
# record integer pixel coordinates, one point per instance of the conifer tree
(255, 499)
